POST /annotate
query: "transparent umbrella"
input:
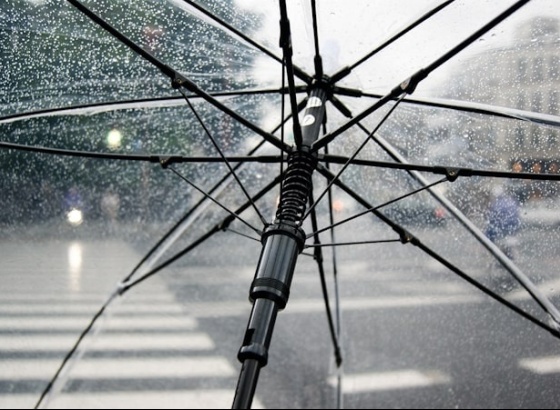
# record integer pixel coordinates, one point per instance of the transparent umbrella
(380, 178)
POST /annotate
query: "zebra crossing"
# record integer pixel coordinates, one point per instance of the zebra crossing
(158, 348)
(146, 352)
(149, 352)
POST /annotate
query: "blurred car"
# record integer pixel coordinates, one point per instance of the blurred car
(415, 211)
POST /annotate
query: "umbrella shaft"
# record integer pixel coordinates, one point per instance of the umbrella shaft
(283, 242)
(247, 384)
(270, 290)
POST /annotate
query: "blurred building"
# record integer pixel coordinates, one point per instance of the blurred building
(523, 76)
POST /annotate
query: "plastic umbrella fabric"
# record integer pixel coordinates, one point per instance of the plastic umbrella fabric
(388, 169)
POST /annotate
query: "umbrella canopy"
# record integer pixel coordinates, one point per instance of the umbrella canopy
(401, 157)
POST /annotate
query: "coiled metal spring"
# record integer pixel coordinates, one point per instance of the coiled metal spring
(296, 188)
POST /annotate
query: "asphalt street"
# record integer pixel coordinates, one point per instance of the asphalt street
(412, 334)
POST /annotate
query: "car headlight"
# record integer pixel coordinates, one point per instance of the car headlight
(75, 217)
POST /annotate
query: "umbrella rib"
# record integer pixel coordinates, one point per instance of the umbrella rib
(211, 198)
(554, 329)
(271, 159)
(302, 75)
(165, 69)
(161, 159)
(377, 208)
(339, 395)
(346, 71)
(80, 154)
(186, 217)
(242, 234)
(163, 102)
(315, 30)
(283, 114)
(220, 227)
(475, 36)
(450, 171)
(353, 157)
(222, 155)
(408, 238)
(286, 44)
(318, 256)
(331, 245)
(75, 347)
(409, 85)
(121, 289)
(319, 71)
(199, 204)
(177, 79)
(540, 119)
(535, 293)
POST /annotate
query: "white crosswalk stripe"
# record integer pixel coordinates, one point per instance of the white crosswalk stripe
(542, 365)
(199, 399)
(57, 309)
(395, 380)
(137, 368)
(79, 323)
(128, 342)
(131, 334)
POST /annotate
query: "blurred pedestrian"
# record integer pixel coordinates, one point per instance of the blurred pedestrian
(503, 220)
(73, 199)
(110, 205)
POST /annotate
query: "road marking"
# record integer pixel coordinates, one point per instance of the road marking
(145, 320)
(50, 309)
(404, 302)
(9, 298)
(17, 401)
(404, 379)
(54, 323)
(107, 342)
(541, 365)
(111, 368)
(549, 288)
(295, 306)
(90, 308)
(187, 399)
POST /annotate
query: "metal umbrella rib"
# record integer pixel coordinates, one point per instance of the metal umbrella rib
(178, 80)
(407, 237)
(409, 85)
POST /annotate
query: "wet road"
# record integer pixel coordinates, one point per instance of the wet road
(413, 335)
